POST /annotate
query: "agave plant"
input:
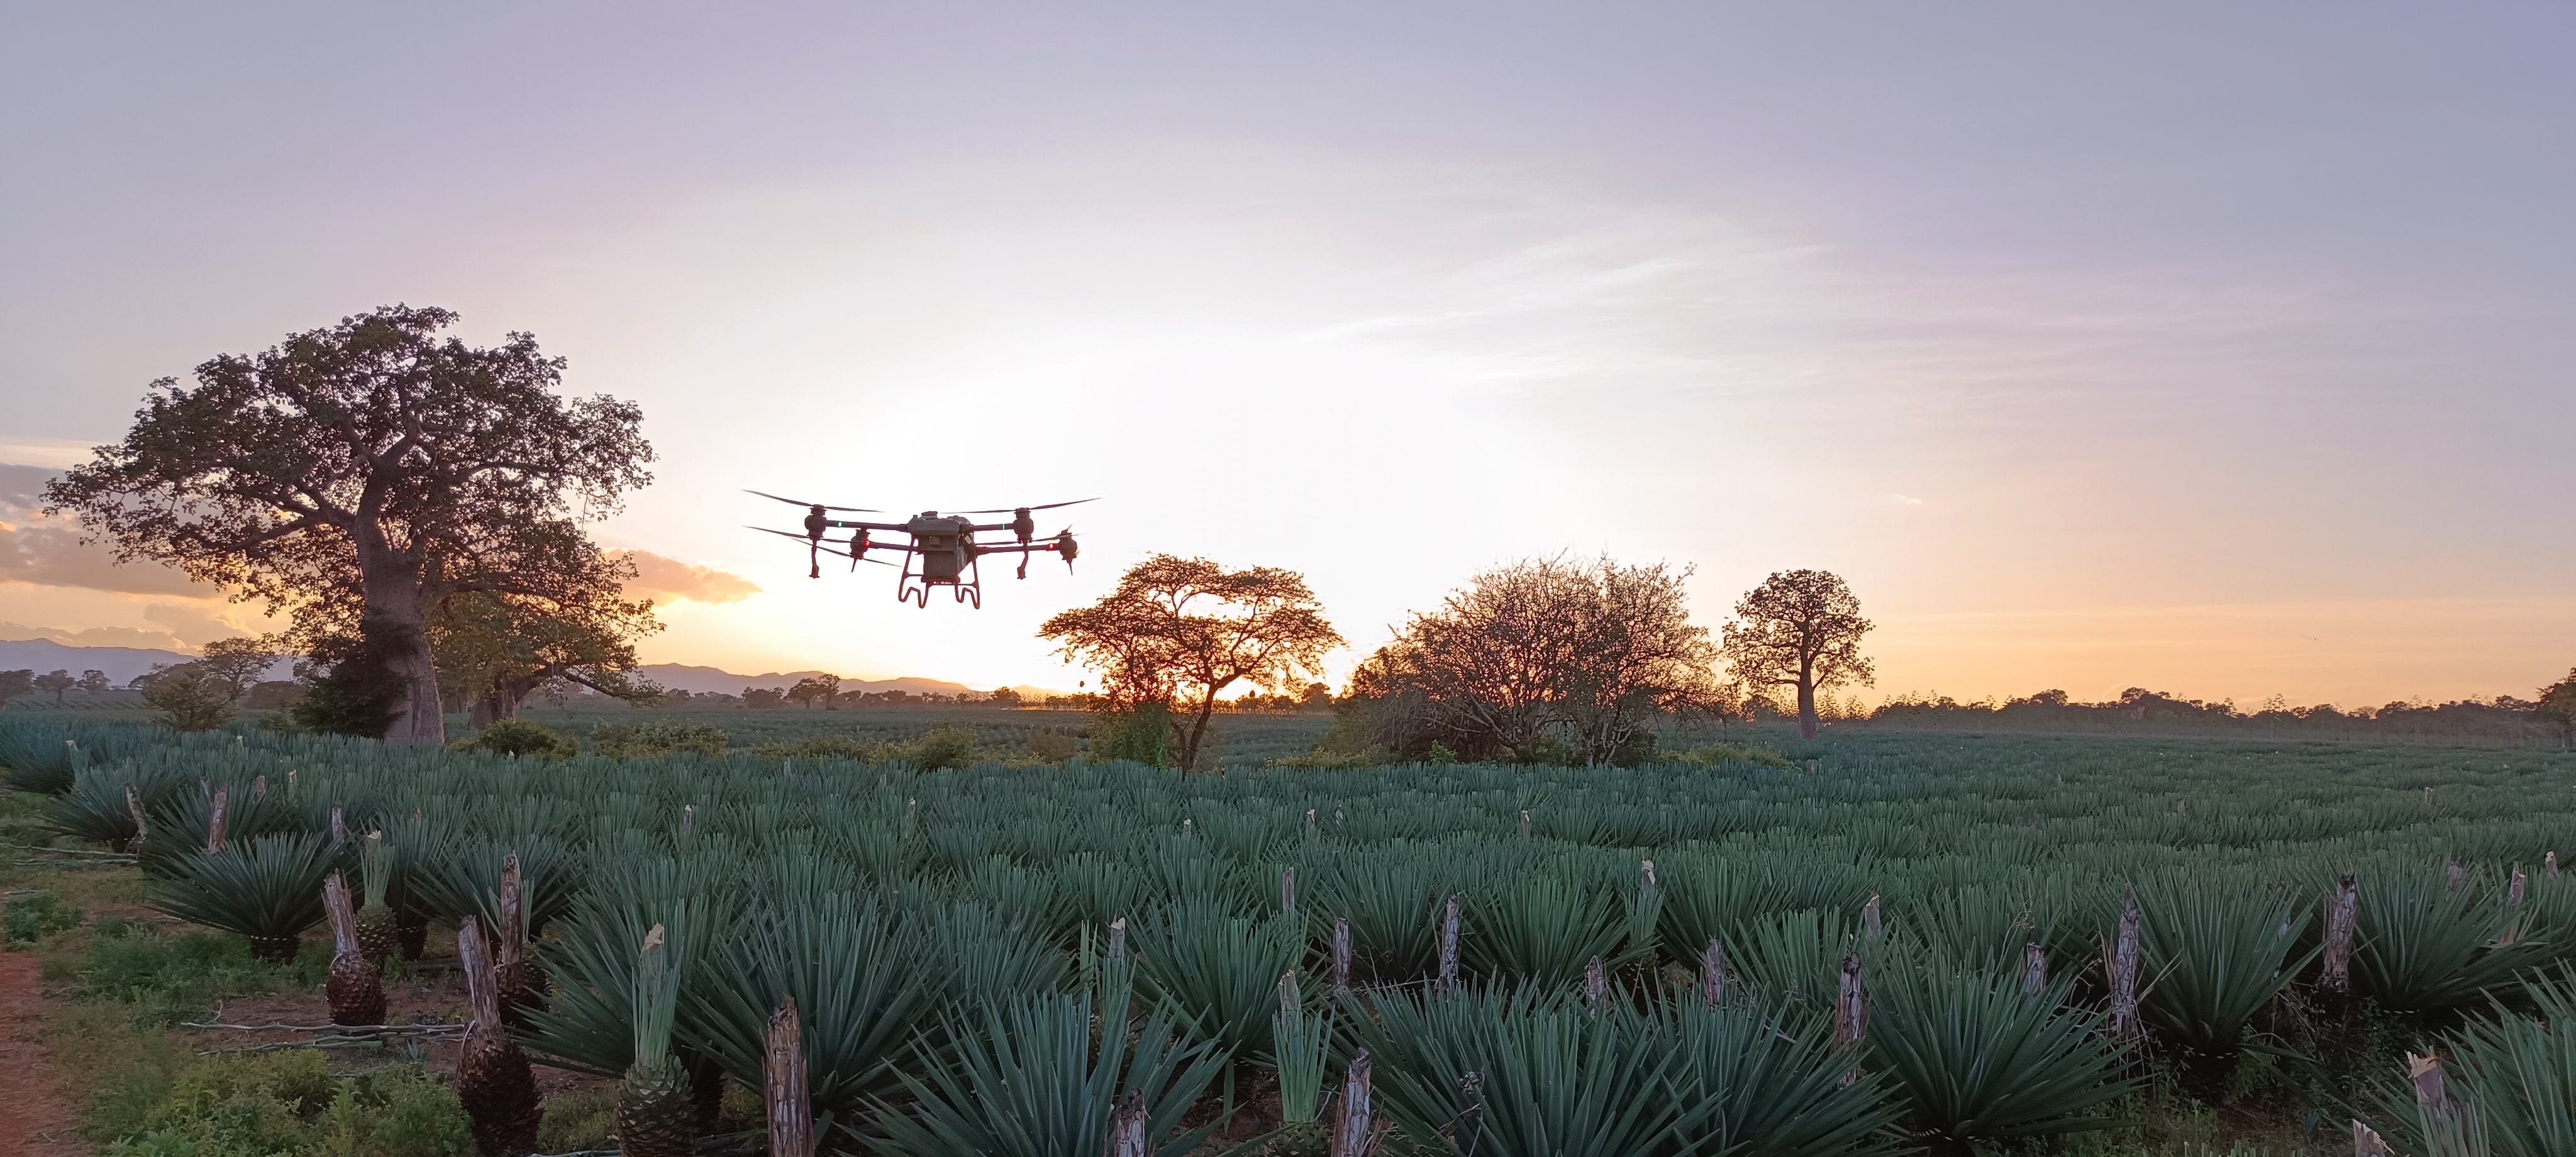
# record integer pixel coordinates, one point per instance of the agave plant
(1509, 1072)
(1393, 903)
(656, 1114)
(1769, 1085)
(2515, 1076)
(1545, 928)
(1980, 1062)
(1219, 973)
(2428, 948)
(981, 954)
(378, 938)
(100, 804)
(588, 1025)
(2217, 956)
(463, 878)
(184, 823)
(860, 987)
(1794, 957)
(269, 889)
(1027, 1078)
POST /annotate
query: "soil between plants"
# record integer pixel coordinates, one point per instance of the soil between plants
(34, 1118)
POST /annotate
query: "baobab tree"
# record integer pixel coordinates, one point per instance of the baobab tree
(372, 464)
(1799, 629)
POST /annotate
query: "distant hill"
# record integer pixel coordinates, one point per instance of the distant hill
(120, 663)
(696, 680)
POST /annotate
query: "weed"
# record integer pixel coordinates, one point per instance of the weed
(36, 915)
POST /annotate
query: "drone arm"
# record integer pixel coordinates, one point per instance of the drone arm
(839, 524)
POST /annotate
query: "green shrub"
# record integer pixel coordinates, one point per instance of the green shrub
(166, 979)
(287, 1104)
(823, 747)
(34, 916)
(1143, 735)
(657, 740)
(947, 745)
(1718, 753)
(520, 737)
(1054, 746)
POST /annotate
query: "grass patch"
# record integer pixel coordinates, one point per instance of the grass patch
(283, 1104)
(578, 1120)
(162, 978)
(35, 915)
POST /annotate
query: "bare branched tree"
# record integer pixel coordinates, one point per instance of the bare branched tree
(1538, 649)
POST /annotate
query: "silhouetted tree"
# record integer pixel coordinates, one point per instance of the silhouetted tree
(16, 683)
(199, 695)
(1799, 629)
(1179, 630)
(815, 690)
(371, 466)
(56, 682)
(94, 682)
(2557, 704)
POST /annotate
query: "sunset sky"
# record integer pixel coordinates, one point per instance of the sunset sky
(2228, 350)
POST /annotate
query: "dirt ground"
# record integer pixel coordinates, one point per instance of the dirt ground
(34, 1118)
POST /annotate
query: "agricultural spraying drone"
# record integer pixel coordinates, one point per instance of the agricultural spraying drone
(941, 551)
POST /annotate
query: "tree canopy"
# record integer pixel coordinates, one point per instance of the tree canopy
(373, 467)
(199, 695)
(1540, 655)
(1179, 631)
(1800, 629)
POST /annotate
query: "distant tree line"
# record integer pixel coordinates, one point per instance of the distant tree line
(2550, 713)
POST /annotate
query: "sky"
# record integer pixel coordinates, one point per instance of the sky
(2215, 348)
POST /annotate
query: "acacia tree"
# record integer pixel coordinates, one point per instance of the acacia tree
(1799, 629)
(370, 464)
(56, 682)
(1178, 631)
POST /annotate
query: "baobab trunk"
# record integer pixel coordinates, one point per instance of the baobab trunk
(1807, 725)
(396, 620)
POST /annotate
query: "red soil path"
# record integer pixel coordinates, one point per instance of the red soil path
(34, 1120)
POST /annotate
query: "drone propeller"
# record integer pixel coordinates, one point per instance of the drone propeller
(794, 502)
(812, 546)
(1017, 509)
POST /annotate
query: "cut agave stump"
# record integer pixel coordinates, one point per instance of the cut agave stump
(356, 991)
(522, 984)
(493, 1081)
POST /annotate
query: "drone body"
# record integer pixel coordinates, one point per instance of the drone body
(940, 550)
